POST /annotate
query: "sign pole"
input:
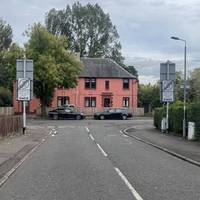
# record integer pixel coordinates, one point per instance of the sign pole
(24, 102)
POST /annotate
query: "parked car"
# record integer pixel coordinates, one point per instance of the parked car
(114, 113)
(65, 113)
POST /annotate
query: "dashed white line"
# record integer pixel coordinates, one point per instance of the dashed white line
(91, 137)
(128, 184)
(103, 152)
(87, 129)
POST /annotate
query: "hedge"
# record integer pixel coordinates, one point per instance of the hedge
(176, 117)
(194, 116)
(159, 113)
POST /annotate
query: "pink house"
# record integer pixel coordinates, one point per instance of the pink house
(102, 83)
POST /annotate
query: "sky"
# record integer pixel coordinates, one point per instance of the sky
(144, 26)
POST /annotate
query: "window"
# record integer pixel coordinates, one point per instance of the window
(61, 101)
(107, 85)
(125, 101)
(90, 101)
(126, 83)
(90, 83)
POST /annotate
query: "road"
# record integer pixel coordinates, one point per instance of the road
(93, 160)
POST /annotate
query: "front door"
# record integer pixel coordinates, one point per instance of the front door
(107, 102)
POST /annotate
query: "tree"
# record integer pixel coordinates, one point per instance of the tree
(194, 85)
(5, 35)
(5, 97)
(149, 96)
(8, 65)
(54, 66)
(179, 91)
(88, 29)
(131, 70)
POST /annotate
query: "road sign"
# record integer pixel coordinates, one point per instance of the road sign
(28, 72)
(23, 88)
(167, 91)
(167, 71)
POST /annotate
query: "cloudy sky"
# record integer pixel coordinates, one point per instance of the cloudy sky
(144, 26)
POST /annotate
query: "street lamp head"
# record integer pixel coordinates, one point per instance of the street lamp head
(175, 38)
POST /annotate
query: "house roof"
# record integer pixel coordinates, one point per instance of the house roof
(103, 68)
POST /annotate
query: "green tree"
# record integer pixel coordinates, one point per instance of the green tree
(8, 65)
(5, 35)
(54, 66)
(5, 97)
(132, 70)
(179, 91)
(88, 29)
(194, 85)
(149, 96)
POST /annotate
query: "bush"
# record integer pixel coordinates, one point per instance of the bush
(176, 117)
(159, 113)
(194, 116)
(5, 97)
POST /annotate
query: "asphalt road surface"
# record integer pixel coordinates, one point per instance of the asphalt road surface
(93, 160)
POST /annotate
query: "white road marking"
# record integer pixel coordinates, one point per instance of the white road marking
(91, 137)
(103, 152)
(87, 129)
(125, 135)
(131, 188)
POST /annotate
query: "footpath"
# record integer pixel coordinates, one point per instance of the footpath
(13, 149)
(170, 143)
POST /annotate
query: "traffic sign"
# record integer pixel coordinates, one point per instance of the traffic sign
(167, 91)
(167, 71)
(23, 88)
(28, 72)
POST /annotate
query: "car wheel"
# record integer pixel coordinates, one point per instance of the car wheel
(78, 117)
(124, 117)
(55, 117)
(102, 117)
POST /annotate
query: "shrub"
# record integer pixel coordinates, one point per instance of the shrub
(194, 116)
(5, 97)
(176, 117)
(159, 113)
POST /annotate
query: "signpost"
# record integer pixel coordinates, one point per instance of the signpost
(167, 91)
(24, 75)
(24, 89)
(167, 85)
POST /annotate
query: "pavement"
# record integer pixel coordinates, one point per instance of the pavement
(15, 147)
(171, 143)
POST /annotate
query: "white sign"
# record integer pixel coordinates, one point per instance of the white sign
(24, 89)
(168, 91)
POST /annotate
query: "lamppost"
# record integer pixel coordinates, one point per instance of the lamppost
(184, 89)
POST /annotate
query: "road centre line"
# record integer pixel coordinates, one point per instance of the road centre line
(91, 137)
(104, 153)
(87, 129)
(128, 184)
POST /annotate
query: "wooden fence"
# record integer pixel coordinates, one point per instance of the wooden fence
(10, 125)
(6, 111)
